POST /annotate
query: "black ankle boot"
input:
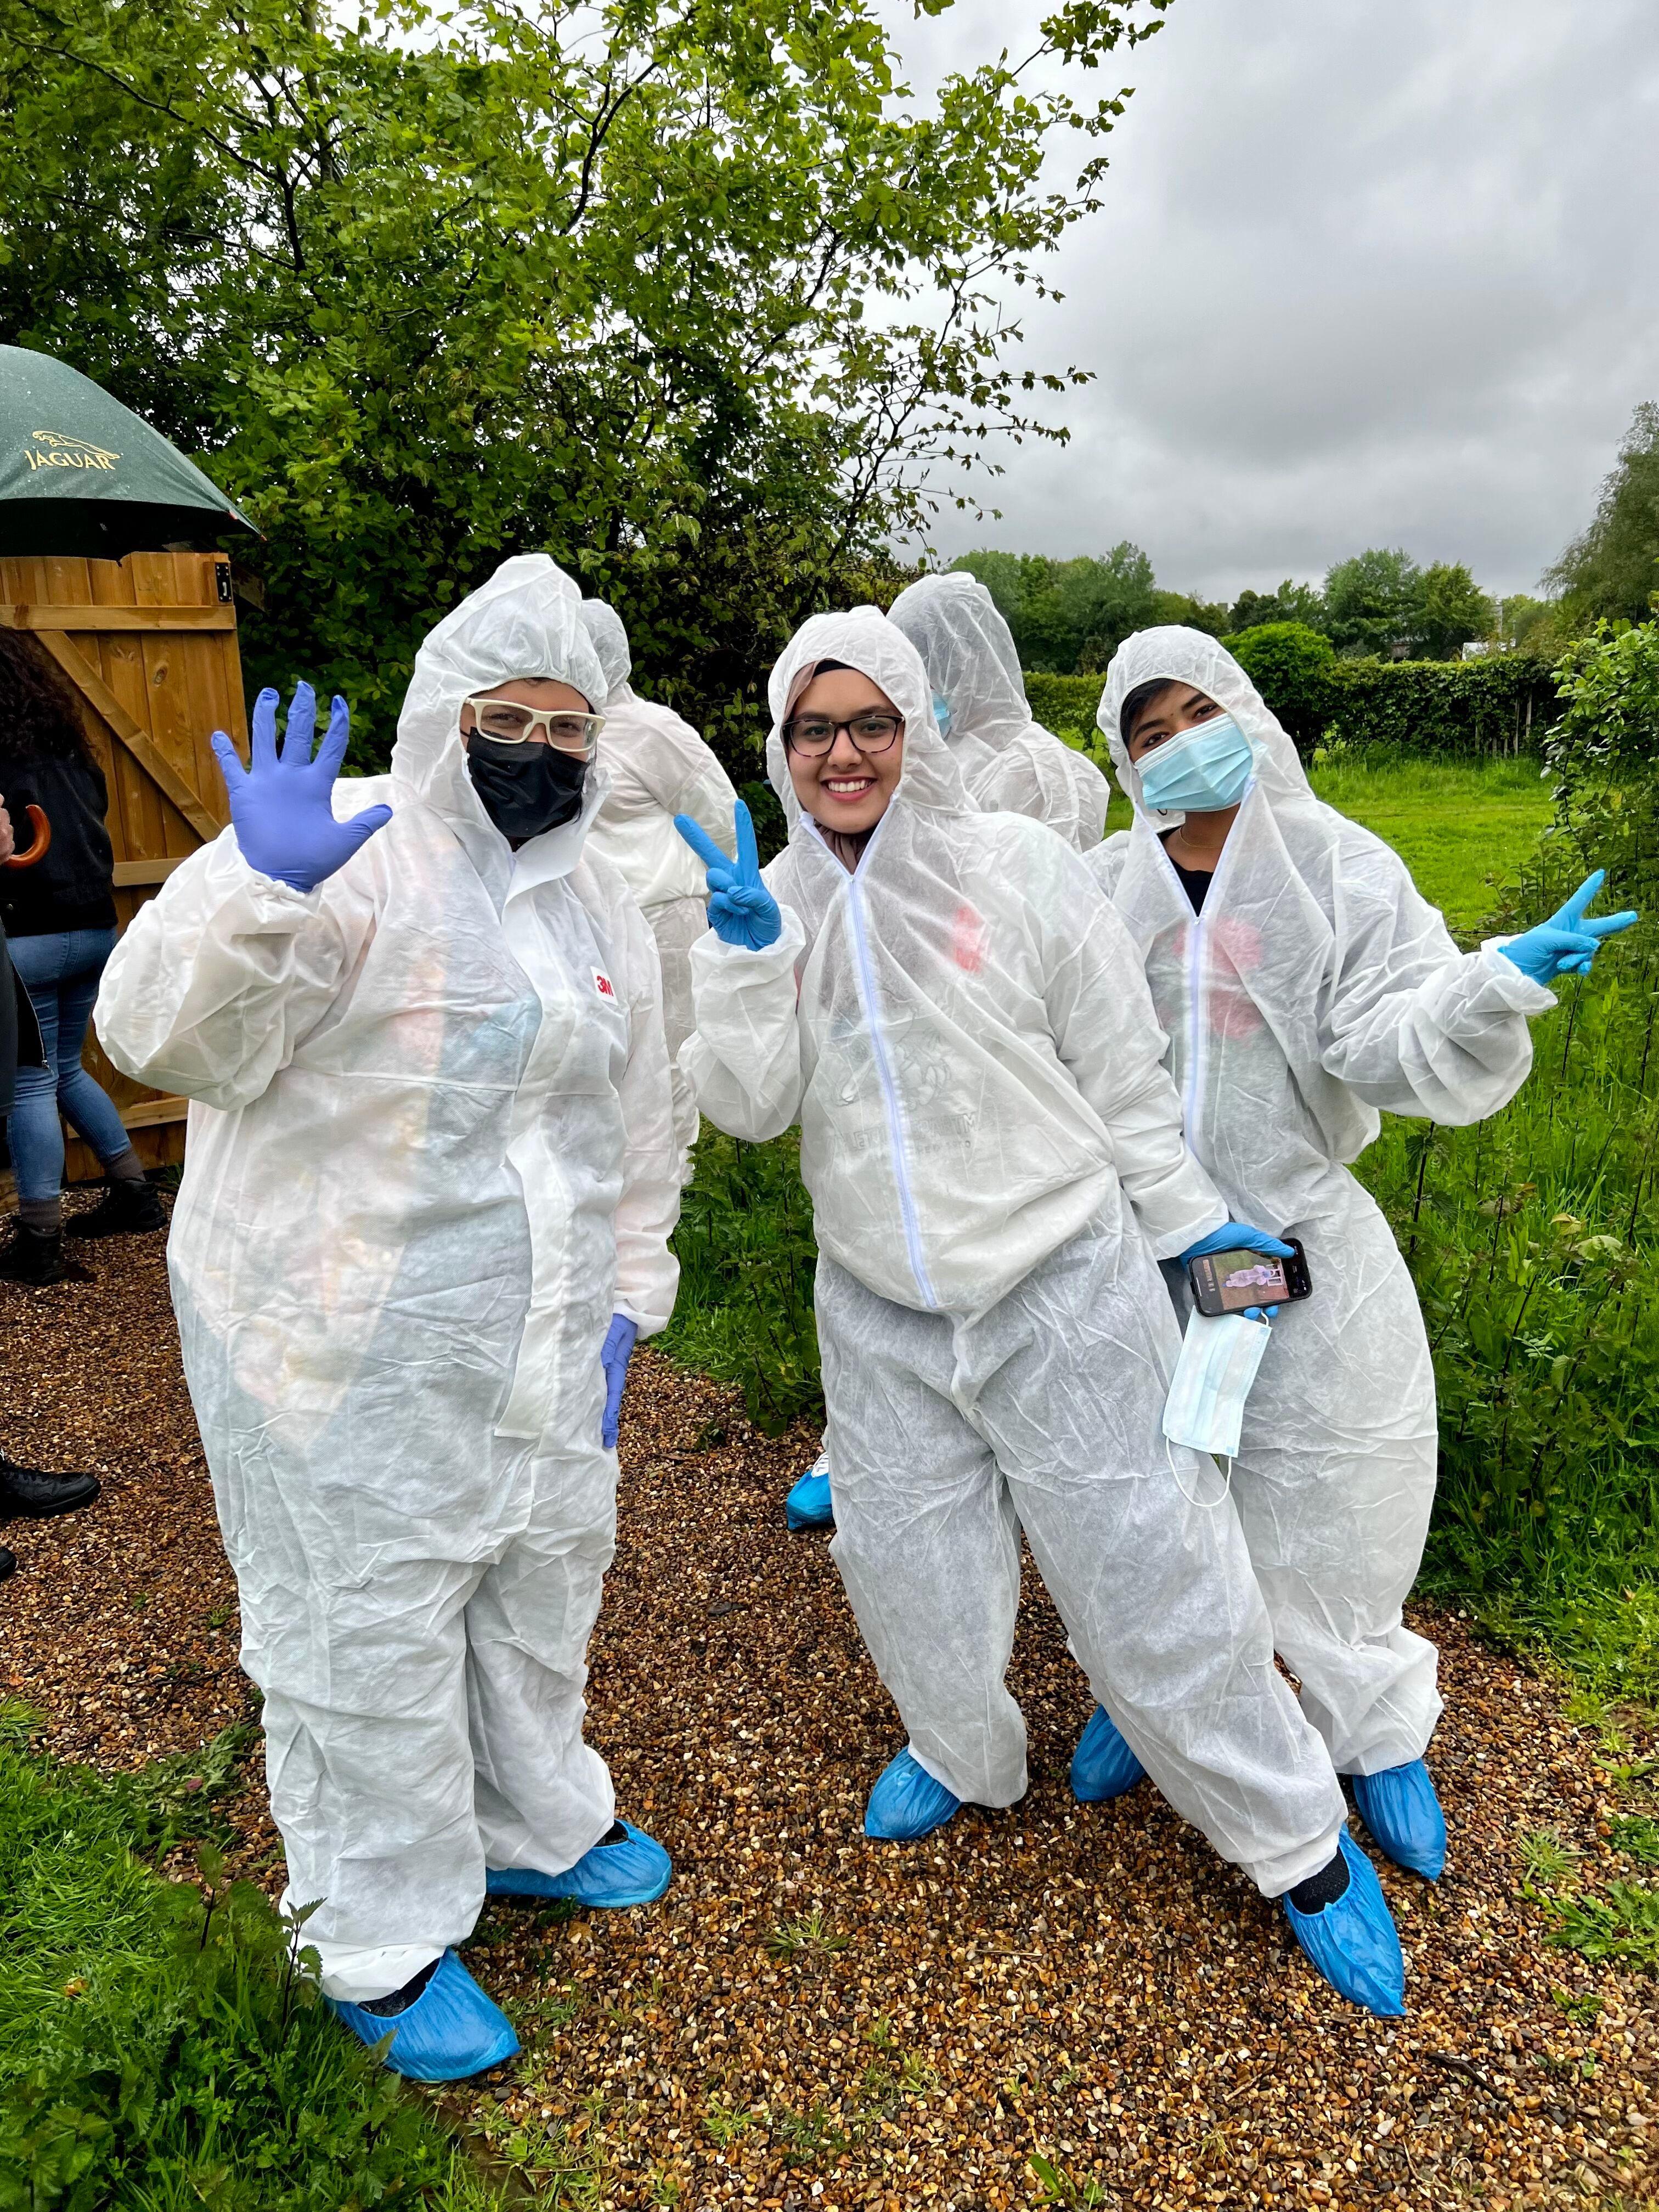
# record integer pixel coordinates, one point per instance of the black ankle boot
(126, 1209)
(37, 1259)
(28, 1493)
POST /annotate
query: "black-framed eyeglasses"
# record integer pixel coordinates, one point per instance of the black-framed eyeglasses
(812, 736)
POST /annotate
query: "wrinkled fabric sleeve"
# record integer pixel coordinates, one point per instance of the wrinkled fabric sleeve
(682, 775)
(744, 1058)
(218, 979)
(647, 1274)
(1106, 1031)
(1411, 1024)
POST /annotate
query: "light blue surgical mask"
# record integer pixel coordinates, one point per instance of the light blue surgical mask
(942, 714)
(1219, 1356)
(1202, 770)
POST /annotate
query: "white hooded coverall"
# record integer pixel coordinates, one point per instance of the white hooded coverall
(431, 1151)
(994, 1158)
(658, 767)
(1316, 988)
(1010, 763)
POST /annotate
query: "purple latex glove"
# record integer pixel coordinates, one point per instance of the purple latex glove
(618, 1351)
(279, 807)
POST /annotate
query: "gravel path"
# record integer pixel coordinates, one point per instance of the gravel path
(812, 2019)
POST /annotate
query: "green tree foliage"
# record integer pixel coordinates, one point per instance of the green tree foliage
(1452, 610)
(689, 293)
(1191, 612)
(1289, 664)
(1609, 689)
(1611, 569)
(1291, 603)
(1372, 603)
(1070, 617)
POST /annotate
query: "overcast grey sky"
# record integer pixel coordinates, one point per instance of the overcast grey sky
(1369, 272)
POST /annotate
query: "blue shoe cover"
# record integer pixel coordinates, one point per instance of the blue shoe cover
(610, 1876)
(1353, 1943)
(907, 1802)
(807, 1506)
(452, 2030)
(1401, 1809)
(1102, 1765)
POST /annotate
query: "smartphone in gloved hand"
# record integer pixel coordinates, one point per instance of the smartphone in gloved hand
(1229, 1282)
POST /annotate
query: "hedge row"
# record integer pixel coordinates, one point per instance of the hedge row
(1461, 708)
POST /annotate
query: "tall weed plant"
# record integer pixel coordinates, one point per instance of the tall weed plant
(1534, 1238)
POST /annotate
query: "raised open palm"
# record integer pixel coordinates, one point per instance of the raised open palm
(281, 806)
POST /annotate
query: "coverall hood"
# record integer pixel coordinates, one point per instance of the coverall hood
(608, 634)
(969, 652)
(866, 640)
(1173, 654)
(526, 621)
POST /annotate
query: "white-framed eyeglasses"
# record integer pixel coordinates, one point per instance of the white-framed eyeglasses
(504, 722)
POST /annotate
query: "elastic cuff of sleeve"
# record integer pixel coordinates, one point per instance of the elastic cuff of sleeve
(1501, 984)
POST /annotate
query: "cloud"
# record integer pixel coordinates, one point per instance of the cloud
(1367, 272)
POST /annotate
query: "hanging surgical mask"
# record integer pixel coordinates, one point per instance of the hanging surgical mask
(942, 714)
(1218, 1360)
(525, 788)
(1202, 770)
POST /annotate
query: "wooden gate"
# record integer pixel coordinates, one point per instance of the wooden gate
(148, 645)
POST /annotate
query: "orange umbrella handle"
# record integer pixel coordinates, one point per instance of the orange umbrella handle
(40, 846)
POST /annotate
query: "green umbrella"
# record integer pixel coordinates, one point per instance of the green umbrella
(83, 476)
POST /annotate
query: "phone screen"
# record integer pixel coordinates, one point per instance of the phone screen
(1247, 1279)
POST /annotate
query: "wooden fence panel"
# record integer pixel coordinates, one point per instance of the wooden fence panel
(148, 645)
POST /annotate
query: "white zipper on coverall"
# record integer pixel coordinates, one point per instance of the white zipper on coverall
(1192, 1092)
(884, 1070)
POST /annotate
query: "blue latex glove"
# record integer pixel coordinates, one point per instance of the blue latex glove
(1566, 944)
(614, 1358)
(741, 911)
(1236, 1237)
(280, 808)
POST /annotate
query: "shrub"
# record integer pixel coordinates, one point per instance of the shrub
(1464, 708)
(1289, 664)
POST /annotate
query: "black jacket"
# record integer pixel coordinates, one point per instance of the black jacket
(72, 887)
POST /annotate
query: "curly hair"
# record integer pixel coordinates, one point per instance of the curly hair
(39, 719)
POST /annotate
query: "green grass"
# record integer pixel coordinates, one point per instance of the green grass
(1463, 828)
(157, 2050)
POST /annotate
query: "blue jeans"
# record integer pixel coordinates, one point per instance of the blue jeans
(61, 973)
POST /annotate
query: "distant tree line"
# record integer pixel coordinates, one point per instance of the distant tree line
(1069, 616)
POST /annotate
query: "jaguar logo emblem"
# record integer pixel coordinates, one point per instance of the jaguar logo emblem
(47, 449)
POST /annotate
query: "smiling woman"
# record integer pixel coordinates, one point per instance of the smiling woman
(845, 745)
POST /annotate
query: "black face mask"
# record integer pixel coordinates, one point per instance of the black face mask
(525, 788)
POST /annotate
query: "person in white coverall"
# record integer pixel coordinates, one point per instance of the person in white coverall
(1009, 764)
(954, 1015)
(426, 1208)
(1305, 986)
(658, 767)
